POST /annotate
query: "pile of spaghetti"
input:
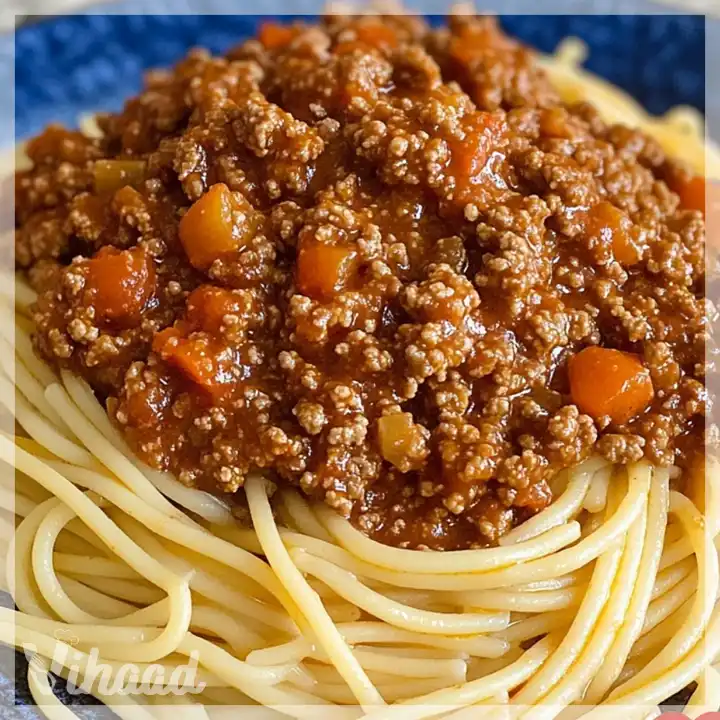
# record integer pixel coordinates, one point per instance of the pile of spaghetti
(606, 598)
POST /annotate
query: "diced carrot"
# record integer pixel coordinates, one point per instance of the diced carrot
(128, 200)
(468, 158)
(274, 36)
(470, 155)
(613, 228)
(208, 229)
(323, 270)
(208, 305)
(199, 360)
(377, 35)
(609, 383)
(111, 175)
(692, 193)
(164, 339)
(120, 283)
(398, 437)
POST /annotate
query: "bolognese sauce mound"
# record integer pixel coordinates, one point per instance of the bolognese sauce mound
(380, 262)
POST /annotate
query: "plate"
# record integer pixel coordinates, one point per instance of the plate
(69, 66)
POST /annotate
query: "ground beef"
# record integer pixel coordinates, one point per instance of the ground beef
(384, 264)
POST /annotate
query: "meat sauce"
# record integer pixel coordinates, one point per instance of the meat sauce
(379, 262)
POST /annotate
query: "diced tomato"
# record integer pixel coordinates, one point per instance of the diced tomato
(610, 383)
(323, 270)
(120, 283)
(692, 193)
(209, 230)
(208, 305)
(398, 436)
(199, 359)
(274, 36)
(613, 228)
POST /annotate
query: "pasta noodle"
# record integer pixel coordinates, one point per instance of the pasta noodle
(278, 651)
